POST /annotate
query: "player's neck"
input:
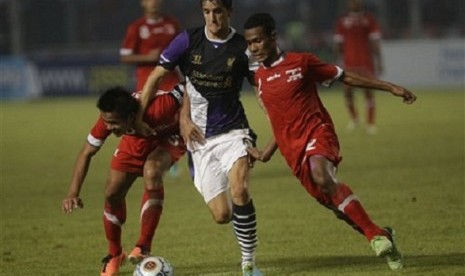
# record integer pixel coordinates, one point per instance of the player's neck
(153, 15)
(221, 34)
(273, 57)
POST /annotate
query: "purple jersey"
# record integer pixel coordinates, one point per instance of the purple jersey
(214, 72)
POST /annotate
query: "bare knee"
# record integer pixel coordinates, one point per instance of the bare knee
(222, 217)
(153, 178)
(114, 196)
(324, 180)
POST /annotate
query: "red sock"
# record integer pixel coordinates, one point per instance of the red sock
(113, 219)
(151, 209)
(347, 203)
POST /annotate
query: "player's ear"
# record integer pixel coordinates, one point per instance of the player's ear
(274, 35)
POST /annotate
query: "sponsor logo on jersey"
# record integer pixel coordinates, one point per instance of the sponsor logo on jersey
(275, 76)
(294, 74)
(144, 32)
(197, 59)
(230, 62)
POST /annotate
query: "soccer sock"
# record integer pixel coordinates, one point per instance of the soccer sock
(346, 202)
(151, 209)
(245, 228)
(114, 217)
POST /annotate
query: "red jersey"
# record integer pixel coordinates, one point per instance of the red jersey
(355, 31)
(161, 115)
(132, 150)
(289, 94)
(145, 35)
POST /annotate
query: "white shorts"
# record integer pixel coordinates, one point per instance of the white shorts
(213, 160)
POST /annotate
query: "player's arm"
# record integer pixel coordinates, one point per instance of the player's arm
(353, 79)
(142, 59)
(148, 93)
(81, 167)
(265, 154)
(190, 132)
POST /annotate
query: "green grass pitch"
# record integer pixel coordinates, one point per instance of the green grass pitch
(409, 176)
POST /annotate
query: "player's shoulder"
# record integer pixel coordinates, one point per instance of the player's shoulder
(370, 16)
(299, 56)
(137, 22)
(170, 19)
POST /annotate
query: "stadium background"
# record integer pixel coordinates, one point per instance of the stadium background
(70, 47)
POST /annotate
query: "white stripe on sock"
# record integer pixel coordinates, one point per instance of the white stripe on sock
(346, 202)
(112, 218)
(148, 204)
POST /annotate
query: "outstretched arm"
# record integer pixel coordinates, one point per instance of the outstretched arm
(72, 200)
(140, 59)
(353, 79)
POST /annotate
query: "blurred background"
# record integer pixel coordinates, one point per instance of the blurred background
(71, 47)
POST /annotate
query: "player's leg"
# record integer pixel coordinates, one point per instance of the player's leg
(370, 111)
(350, 104)
(118, 184)
(340, 198)
(156, 165)
(244, 219)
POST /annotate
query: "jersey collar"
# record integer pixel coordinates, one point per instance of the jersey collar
(232, 31)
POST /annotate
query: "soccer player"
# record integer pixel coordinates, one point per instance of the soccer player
(134, 157)
(145, 38)
(213, 123)
(303, 130)
(357, 43)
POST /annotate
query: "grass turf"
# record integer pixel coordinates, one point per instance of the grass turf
(410, 176)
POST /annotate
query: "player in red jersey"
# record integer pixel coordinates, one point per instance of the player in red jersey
(145, 39)
(305, 135)
(134, 157)
(357, 42)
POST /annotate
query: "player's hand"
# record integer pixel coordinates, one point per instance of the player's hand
(144, 129)
(407, 95)
(257, 154)
(71, 203)
(191, 133)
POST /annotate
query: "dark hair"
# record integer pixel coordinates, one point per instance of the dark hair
(225, 3)
(264, 20)
(118, 100)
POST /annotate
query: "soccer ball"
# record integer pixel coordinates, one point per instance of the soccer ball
(154, 266)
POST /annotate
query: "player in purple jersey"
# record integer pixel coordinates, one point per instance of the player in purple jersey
(213, 123)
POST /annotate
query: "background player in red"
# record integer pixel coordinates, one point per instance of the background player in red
(134, 157)
(145, 39)
(357, 43)
(305, 135)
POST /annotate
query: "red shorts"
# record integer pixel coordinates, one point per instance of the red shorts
(161, 115)
(324, 142)
(132, 151)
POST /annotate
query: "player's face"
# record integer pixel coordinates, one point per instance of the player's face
(261, 46)
(116, 124)
(151, 6)
(355, 5)
(216, 19)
